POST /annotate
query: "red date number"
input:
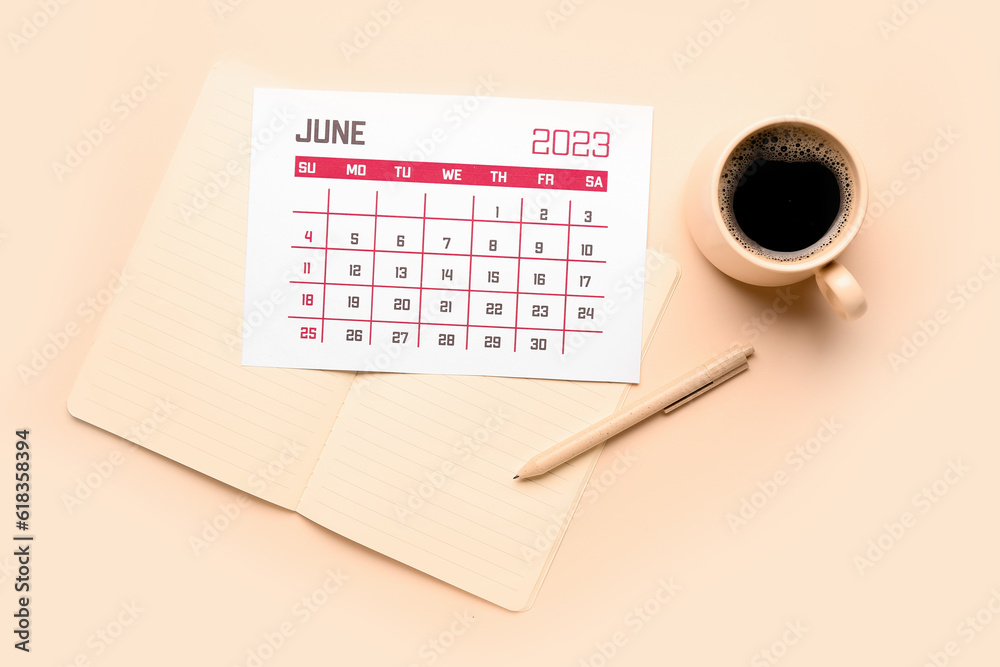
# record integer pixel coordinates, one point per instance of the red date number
(578, 143)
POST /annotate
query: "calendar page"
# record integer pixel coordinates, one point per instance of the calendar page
(451, 235)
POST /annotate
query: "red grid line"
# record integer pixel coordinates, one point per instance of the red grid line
(371, 307)
(322, 325)
(454, 254)
(517, 299)
(445, 324)
(569, 218)
(420, 298)
(448, 289)
(469, 290)
(431, 217)
(468, 303)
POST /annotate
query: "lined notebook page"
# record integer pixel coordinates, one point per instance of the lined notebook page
(420, 468)
(165, 369)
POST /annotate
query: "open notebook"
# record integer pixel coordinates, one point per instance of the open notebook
(417, 467)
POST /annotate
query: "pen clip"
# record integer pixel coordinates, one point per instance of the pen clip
(698, 392)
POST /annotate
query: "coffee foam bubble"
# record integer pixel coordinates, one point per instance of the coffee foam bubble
(786, 143)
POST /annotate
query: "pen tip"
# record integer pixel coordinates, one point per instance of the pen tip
(516, 476)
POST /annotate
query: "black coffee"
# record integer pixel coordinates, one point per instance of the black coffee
(785, 192)
(786, 206)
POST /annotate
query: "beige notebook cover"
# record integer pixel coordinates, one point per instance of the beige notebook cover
(417, 467)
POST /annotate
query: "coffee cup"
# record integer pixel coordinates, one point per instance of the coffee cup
(776, 201)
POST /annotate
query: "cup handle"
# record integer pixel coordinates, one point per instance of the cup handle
(841, 291)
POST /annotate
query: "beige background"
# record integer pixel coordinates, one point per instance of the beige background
(893, 89)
